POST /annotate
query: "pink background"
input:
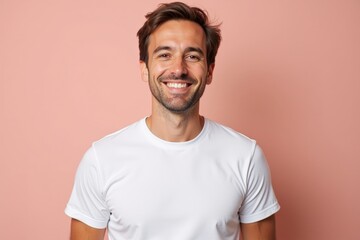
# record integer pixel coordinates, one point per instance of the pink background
(287, 74)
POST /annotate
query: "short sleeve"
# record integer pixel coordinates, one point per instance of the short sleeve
(87, 203)
(260, 201)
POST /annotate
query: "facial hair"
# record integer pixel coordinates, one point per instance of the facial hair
(168, 103)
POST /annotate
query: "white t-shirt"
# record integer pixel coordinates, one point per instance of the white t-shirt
(142, 187)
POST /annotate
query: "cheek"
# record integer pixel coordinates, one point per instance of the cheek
(158, 68)
(199, 71)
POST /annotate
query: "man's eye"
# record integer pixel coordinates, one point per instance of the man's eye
(163, 55)
(193, 58)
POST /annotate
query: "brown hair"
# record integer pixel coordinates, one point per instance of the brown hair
(179, 11)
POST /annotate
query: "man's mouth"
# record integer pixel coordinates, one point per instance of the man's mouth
(176, 85)
(177, 82)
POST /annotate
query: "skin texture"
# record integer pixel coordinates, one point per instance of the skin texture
(81, 231)
(177, 73)
(262, 230)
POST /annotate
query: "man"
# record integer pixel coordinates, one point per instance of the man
(175, 174)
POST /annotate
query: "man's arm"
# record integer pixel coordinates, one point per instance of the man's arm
(81, 231)
(262, 230)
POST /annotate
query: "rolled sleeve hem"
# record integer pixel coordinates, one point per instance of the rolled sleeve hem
(73, 213)
(261, 215)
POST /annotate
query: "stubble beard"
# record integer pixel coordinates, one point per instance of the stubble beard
(175, 104)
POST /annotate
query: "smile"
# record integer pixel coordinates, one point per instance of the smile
(176, 85)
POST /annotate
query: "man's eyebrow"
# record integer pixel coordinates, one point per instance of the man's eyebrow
(195, 49)
(160, 48)
(188, 49)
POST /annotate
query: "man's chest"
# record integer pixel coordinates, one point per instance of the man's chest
(175, 193)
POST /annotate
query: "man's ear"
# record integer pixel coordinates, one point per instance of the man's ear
(144, 71)
(210, 73)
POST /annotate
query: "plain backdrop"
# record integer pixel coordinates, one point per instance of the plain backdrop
(287, 74)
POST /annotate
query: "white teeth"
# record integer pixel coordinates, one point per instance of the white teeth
(176, 85)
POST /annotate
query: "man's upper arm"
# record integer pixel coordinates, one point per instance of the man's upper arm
(261, 230)
(81, 231)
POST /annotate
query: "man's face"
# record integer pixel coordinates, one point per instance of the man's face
(177, 69)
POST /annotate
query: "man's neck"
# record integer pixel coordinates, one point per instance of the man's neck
(174, 127)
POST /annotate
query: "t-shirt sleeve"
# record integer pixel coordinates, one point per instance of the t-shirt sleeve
(87, 202)
(260, 201)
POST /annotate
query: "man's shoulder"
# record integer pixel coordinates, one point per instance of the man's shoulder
(126, 133)
(227, 132)
(226, 136)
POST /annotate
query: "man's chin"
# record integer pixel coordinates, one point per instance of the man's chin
(179, 109)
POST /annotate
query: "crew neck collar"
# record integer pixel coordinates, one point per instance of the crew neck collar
(158, 140)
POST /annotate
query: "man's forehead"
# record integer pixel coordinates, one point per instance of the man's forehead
(175, 32)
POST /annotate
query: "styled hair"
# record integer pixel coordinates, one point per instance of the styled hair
(179, 11)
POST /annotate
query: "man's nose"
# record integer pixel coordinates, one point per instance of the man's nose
(179, 67)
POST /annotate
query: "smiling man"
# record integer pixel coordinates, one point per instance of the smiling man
(174, 174)
(177, 64)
